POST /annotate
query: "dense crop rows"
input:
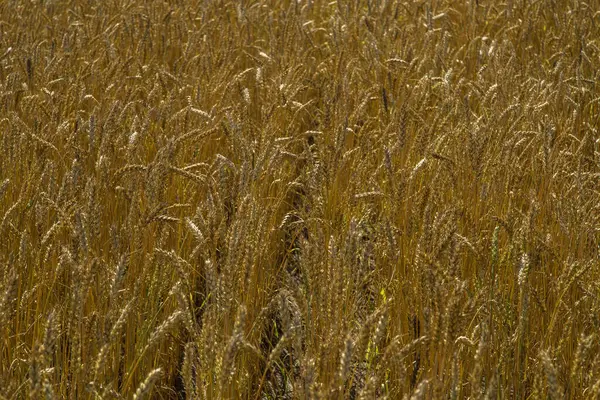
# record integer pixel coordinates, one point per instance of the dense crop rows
(302, 199)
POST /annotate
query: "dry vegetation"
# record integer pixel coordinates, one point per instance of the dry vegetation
(271, 199)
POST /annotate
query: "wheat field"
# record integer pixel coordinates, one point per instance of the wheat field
(306, 199)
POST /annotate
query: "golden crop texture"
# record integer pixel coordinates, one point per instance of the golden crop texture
(306, 199)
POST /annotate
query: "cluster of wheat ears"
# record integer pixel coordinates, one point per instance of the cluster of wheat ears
(269, 199)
